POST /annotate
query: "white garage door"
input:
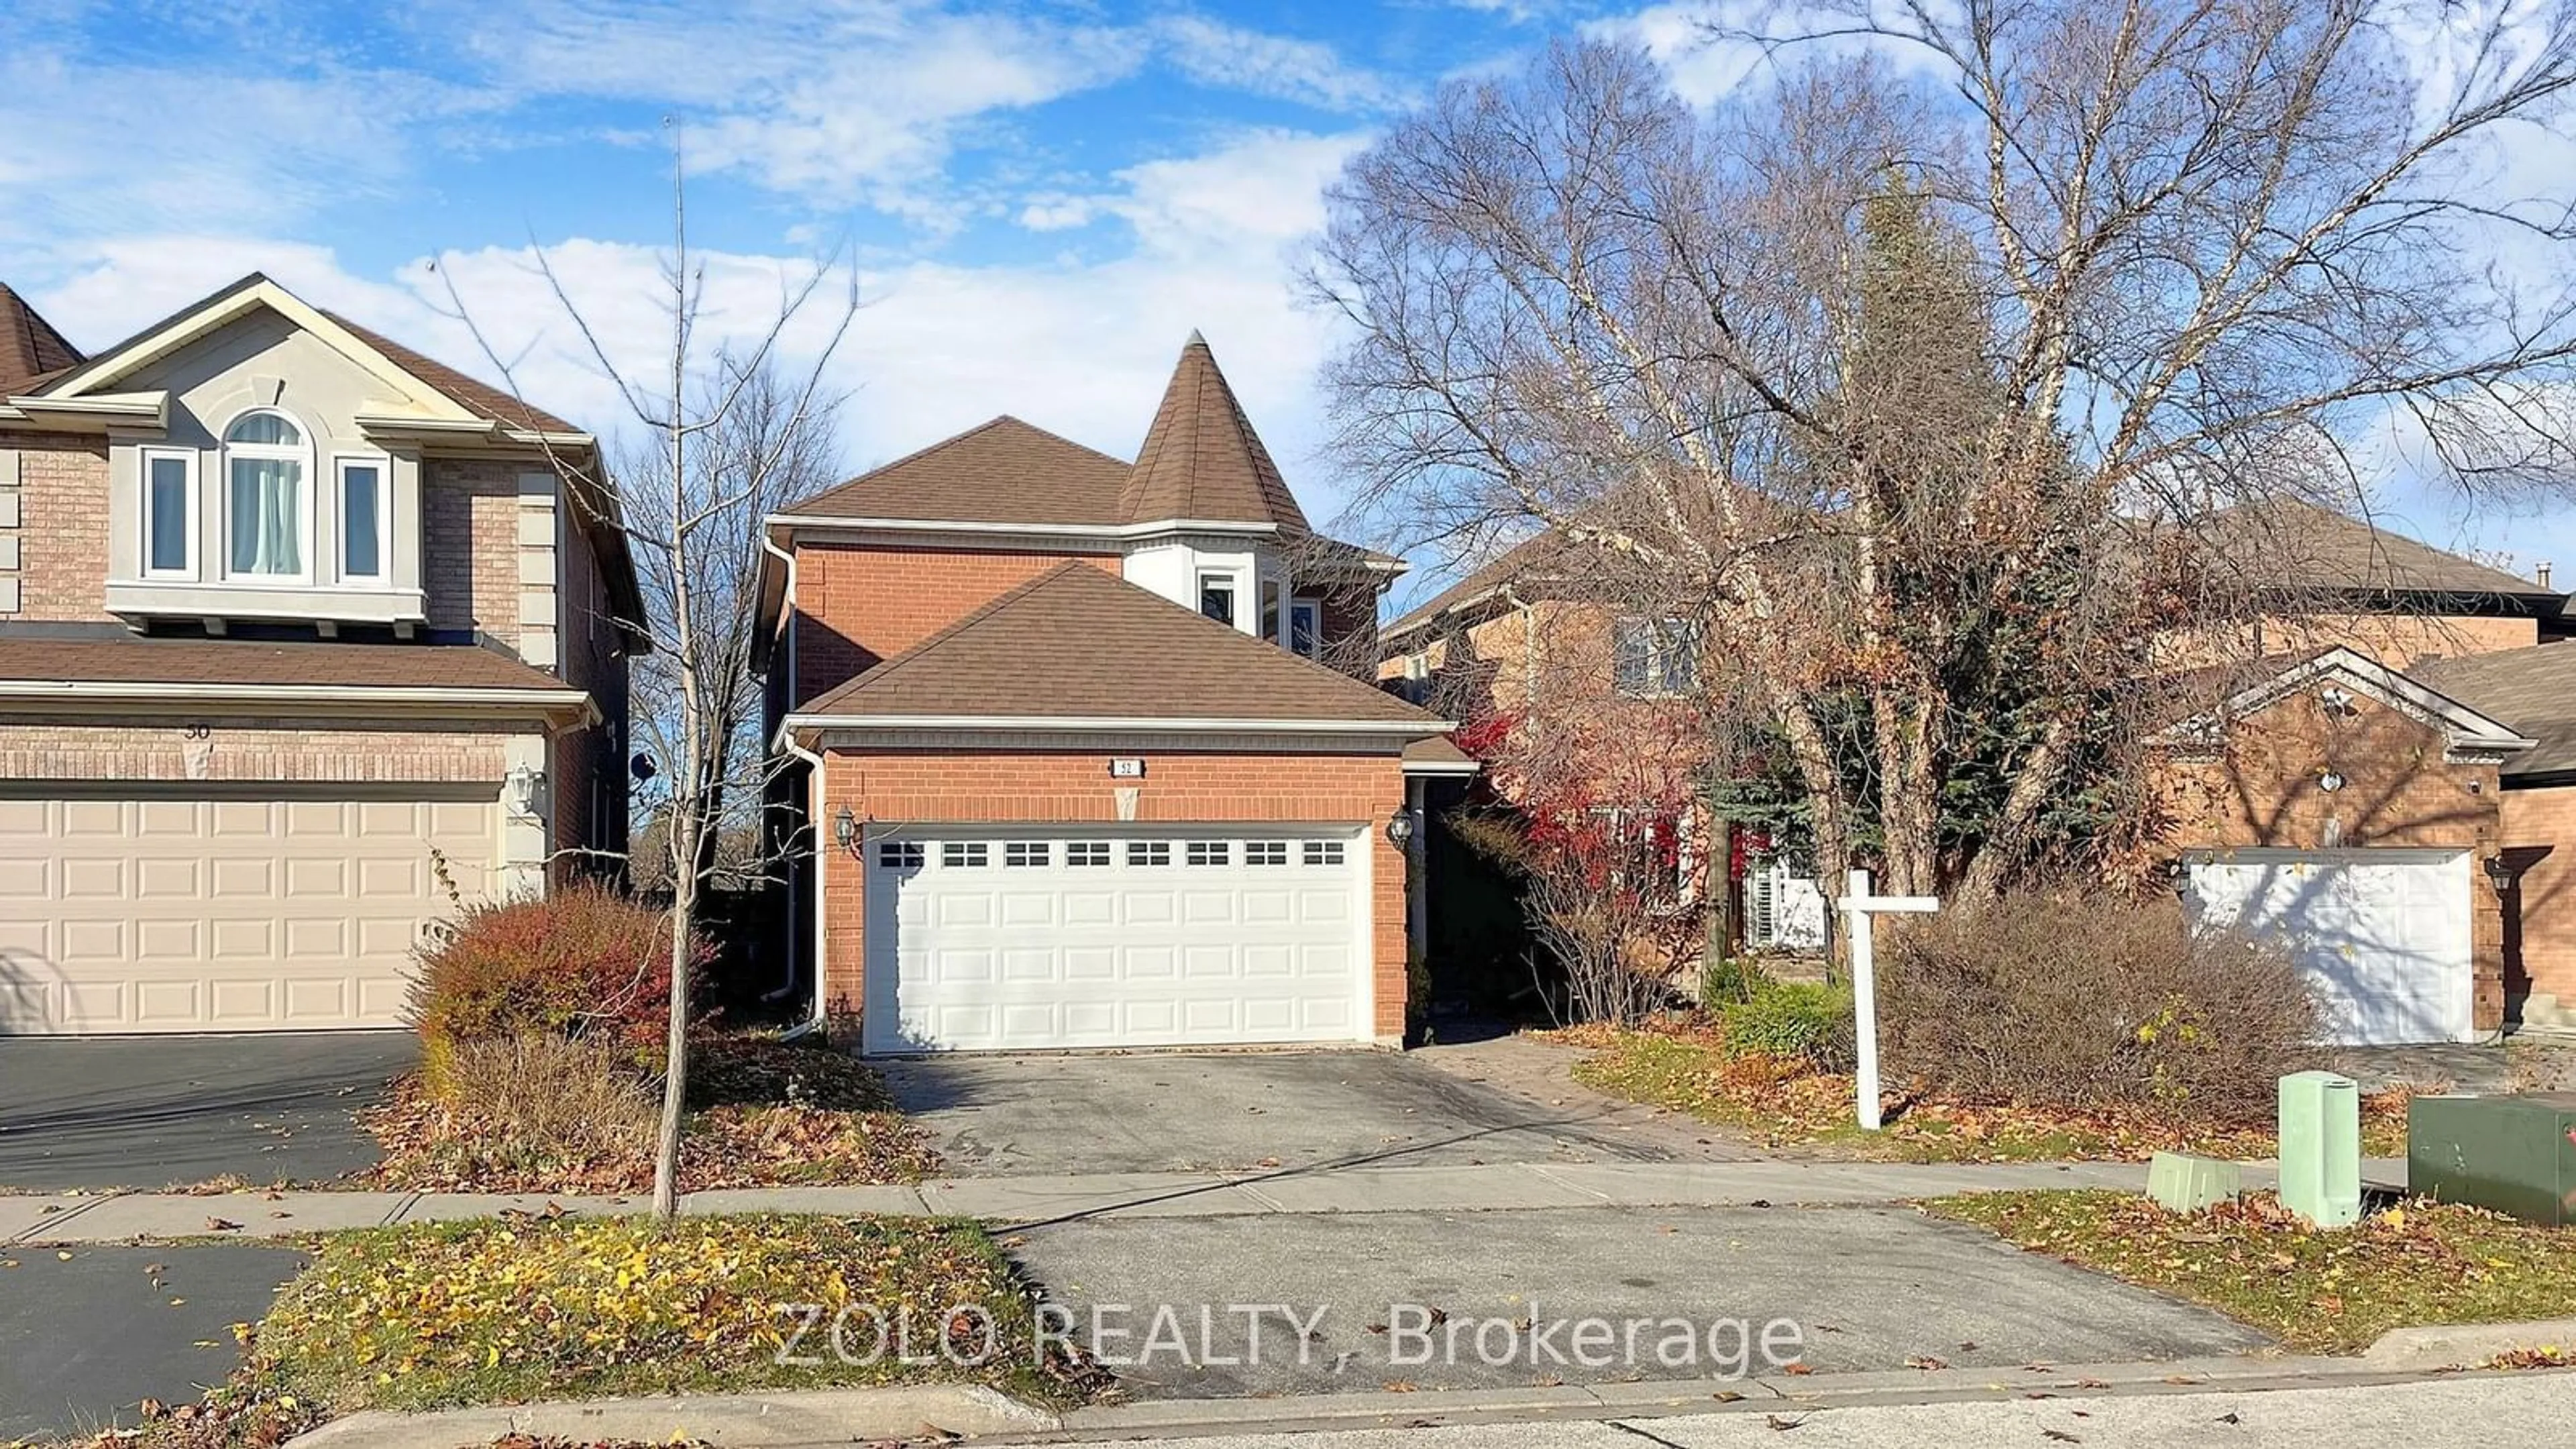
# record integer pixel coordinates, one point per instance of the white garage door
(1045, 937)
(205, 908)
(2382, 934)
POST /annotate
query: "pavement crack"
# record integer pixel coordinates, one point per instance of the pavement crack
(1625, 1427)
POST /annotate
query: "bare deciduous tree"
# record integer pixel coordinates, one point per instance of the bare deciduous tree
(1880, 369)
(719, 437)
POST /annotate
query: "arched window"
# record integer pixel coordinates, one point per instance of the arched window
(266, 462)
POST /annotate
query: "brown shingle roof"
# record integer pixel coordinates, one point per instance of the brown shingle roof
(1517, 564)
(1004, 471)
(2531, 691)
(1202, 459)
(30, 348)
(2291, 545)
(248, 662)
(476, 397)
(1076, 643)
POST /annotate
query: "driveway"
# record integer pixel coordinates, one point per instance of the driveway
(84, 1338)
(148, 1112)
(1020, 1115)
(1866, 1288)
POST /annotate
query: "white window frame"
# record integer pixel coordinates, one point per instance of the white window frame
(302, 452)
(187, 459)
(384, 466)
(1232, 582)
(1313, 608)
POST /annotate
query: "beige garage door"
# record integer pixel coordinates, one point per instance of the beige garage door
(208, 908)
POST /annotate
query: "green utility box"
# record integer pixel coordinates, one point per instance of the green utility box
(2321, 1148)
(2514, 1155)
(2182, 1183)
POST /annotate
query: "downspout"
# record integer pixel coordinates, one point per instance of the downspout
(814, 824)
(816, 827)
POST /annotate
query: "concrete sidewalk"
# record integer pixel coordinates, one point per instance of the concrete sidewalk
(1025, 1201)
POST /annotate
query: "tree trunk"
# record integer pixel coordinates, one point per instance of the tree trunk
(675, 1065)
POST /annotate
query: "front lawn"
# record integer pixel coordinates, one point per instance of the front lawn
(1683, 1064)
(497, 1311)
(2318, 1291)
(765, 1113)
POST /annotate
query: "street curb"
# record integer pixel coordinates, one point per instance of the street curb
(1654, 1398)
(2459, 1345)
(737, 1421)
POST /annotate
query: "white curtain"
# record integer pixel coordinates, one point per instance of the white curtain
(268, 516)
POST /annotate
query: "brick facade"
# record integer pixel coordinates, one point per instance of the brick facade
(858, 605)
(84, 748)
(1013, 787)
(2539, 833)
(2263, 789)
(62, 528)
(470, 545)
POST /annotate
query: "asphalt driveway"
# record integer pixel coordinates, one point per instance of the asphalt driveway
(1467, 1300)
(87, 1335)
(148, 1112)
(1024, 1115)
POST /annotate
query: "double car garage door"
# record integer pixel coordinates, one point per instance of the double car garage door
(210, 908)
(1037, 937)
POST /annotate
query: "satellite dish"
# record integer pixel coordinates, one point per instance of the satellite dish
(642, 766)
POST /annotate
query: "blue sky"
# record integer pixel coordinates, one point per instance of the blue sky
(1040, 200)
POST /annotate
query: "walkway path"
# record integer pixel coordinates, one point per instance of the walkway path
(1025, 1201)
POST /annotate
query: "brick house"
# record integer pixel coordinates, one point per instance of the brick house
(2368, 755)
(1073, 768)
(301, 645)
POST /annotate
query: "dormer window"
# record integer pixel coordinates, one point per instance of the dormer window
(1216, 597)
(267, 518)
(1306, 628)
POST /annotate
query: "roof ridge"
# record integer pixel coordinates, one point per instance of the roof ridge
(886, 669)
(952, 440)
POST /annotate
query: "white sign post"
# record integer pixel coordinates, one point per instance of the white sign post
(1858, 907)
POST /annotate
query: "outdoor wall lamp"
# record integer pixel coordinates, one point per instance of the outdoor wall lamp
(845, 829)
(1399, 827)
(519, 789)
(2330, 782)
(2499, 874)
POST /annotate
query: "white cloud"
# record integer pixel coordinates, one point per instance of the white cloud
(1081, 347)
(105, 149)
(1233, 58)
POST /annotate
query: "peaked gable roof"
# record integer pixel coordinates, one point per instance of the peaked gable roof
(30, 347)
(2532, 689)
(478, 397)
(2463, 726)
(1077, 643)
(1202, 459)
(1003, 471)
(1522, 562)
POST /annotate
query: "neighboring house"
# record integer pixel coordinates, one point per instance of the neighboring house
(2357, 774)
(1076, 771)
(301, 645)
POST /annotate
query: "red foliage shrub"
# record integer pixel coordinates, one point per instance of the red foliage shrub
(582, 962)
